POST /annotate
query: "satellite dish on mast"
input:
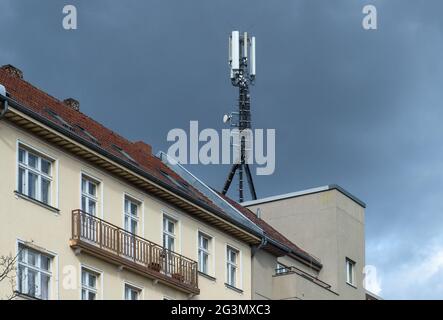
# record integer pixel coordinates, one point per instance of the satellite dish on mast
(226, 118)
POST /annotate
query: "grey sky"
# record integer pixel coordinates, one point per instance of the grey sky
(358, 108)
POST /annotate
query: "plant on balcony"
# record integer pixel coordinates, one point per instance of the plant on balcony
(155, 266)
(178, 276)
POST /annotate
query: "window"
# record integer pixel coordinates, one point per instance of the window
(54, 114)
(183, 185)
(169, 233)
(89, 204)
(124, 153)
(169, 226)
(34, 175)
(232, 266)
(132, 293)
(350, 272)
(131, 215)
(89, 284)
(34, 273)
(89, 195)
(203, 252)
(281, 269)
(88, 134)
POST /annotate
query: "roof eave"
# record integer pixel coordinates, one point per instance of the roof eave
(302, 257)
(13, 104)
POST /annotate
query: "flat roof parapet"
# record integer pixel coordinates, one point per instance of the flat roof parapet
(305, 192)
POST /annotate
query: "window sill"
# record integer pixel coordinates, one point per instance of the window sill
(24, 296)
(351, 285)
(41, 204)
(227, 285)
(207, 276)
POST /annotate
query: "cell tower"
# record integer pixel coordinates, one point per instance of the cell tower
(242, 75)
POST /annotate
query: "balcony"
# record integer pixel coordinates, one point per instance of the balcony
(129, 251)
(291, 270)
(293, 283)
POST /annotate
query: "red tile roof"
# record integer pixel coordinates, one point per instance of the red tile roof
(38, 101)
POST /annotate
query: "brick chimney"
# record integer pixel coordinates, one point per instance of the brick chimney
(72, 103)
(143, 147)
(13, 71)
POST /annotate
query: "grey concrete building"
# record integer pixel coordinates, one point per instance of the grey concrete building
(329, 223)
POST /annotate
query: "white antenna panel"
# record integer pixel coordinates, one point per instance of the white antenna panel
(245, 44)
(252, 72)
(235, 52)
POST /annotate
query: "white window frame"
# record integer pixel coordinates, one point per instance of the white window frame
(174, 216)
(89, 197)
(98, 290)
(168, 235)
(128, 245)
(100, 191)
(168, 260)
(138, 218)
(236, 265)
(208, 251)
(37, 171)
(350, 266)
(131, 286)
(23, 251)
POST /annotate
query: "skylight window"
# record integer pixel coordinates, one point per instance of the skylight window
(124, 153)
(54, 114)
(181, 185)
(88, 134)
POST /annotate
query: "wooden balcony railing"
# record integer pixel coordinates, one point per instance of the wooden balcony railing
(128, 250)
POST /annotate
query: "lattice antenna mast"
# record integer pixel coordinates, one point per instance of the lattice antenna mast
(242, 74)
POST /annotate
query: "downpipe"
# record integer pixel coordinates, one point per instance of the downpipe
(255, 249)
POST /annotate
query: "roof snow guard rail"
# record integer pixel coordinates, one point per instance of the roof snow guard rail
(232, 212)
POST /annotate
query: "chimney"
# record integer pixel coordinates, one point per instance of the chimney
(142, 147)
(72, 103)
(13, 71)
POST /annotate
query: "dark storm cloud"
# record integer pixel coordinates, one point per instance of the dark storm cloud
(353, 107)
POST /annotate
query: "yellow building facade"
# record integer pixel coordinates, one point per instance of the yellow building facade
(82, 230)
